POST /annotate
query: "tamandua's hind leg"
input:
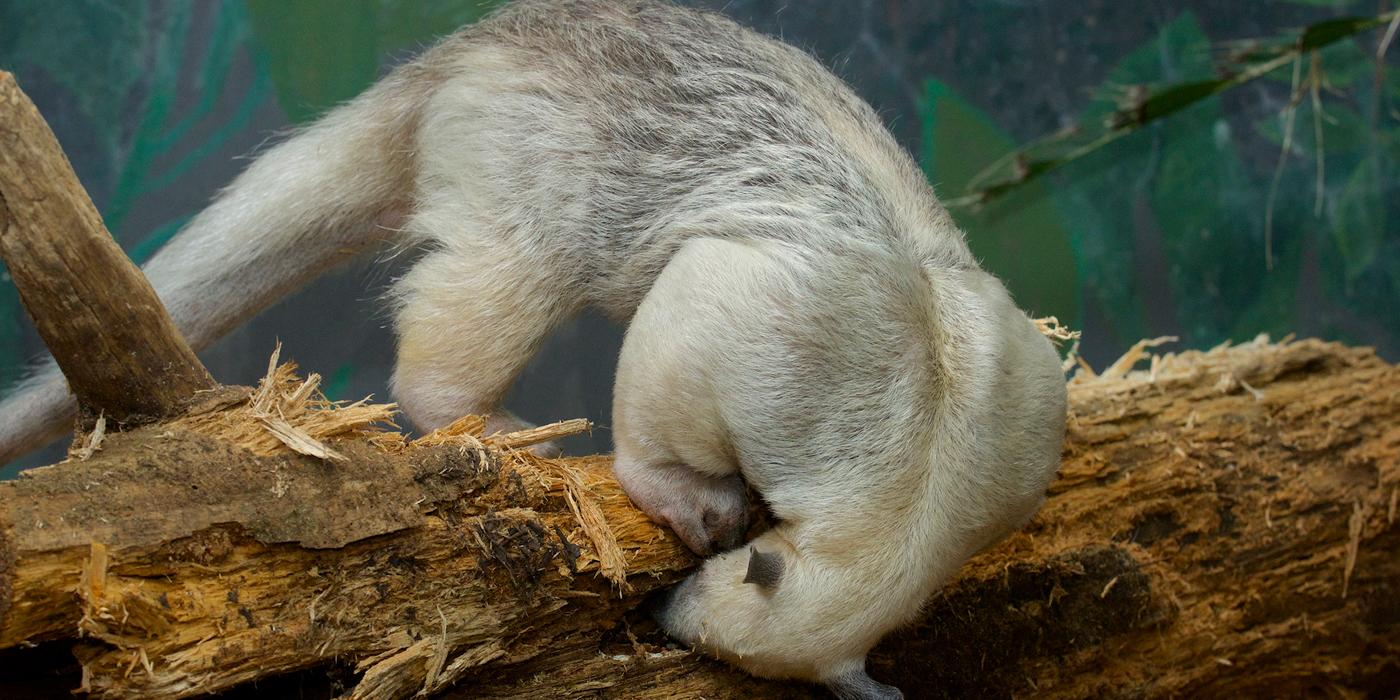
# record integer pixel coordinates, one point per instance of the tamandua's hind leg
(469, 317)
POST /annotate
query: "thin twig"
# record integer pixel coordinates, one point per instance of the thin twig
(1289, 116)
(1315, 87)
(544, 433)
(1140, 111)
(1389, 36)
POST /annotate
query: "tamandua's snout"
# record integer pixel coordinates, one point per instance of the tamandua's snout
(747, 584)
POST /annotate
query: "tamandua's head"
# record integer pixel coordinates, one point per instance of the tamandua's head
(768, 612)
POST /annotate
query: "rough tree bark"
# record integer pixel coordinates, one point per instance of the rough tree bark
(1223, 523)
(1227, 526)
(94, 309)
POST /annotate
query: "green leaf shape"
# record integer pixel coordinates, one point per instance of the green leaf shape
(1323, 33)
(1171, 207)
(321, 53)
(1019, 238)
(1358, 225)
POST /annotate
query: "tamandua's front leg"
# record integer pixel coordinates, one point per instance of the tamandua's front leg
(671, 454)
(709, 513)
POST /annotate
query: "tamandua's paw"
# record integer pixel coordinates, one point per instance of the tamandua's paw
(710, 514)
(712, 519)
(855, 684)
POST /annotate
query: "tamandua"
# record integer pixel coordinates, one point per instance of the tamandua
(804, 316)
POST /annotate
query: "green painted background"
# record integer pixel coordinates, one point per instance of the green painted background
(1161, 233)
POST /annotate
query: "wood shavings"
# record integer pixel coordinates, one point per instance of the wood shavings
(466, 426)
(590, 517)
(1085, 371)
(94, 439)
(1230, 382)
(544, 433)
(1108, 587)
(1050, 327)
(1355, 526)
(93, 582)
(439, 659)
(1124, 364)
(298, 440)
(1071, 358)
(285, 412)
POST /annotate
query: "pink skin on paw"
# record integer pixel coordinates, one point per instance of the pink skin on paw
(709, 515)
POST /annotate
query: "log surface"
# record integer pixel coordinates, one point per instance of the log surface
(1223, 524)
(114, 341)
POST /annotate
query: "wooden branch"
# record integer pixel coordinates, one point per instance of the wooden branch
(1227, 529)
(205, 552)
(1222, 525)
(108, 331)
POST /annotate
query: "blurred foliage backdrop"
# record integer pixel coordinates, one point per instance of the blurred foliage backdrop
(158, 102)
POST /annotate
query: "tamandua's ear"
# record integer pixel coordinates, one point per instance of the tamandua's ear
(857, 685)
(765, 569)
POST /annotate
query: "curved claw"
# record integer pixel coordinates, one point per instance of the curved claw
(765, 569)
(857, 685)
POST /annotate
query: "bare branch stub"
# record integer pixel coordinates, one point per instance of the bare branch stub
(101, 319)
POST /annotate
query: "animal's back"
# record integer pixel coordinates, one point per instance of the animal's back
(619, 129)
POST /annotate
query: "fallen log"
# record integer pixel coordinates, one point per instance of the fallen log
(1223, 523)
(191, 563)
